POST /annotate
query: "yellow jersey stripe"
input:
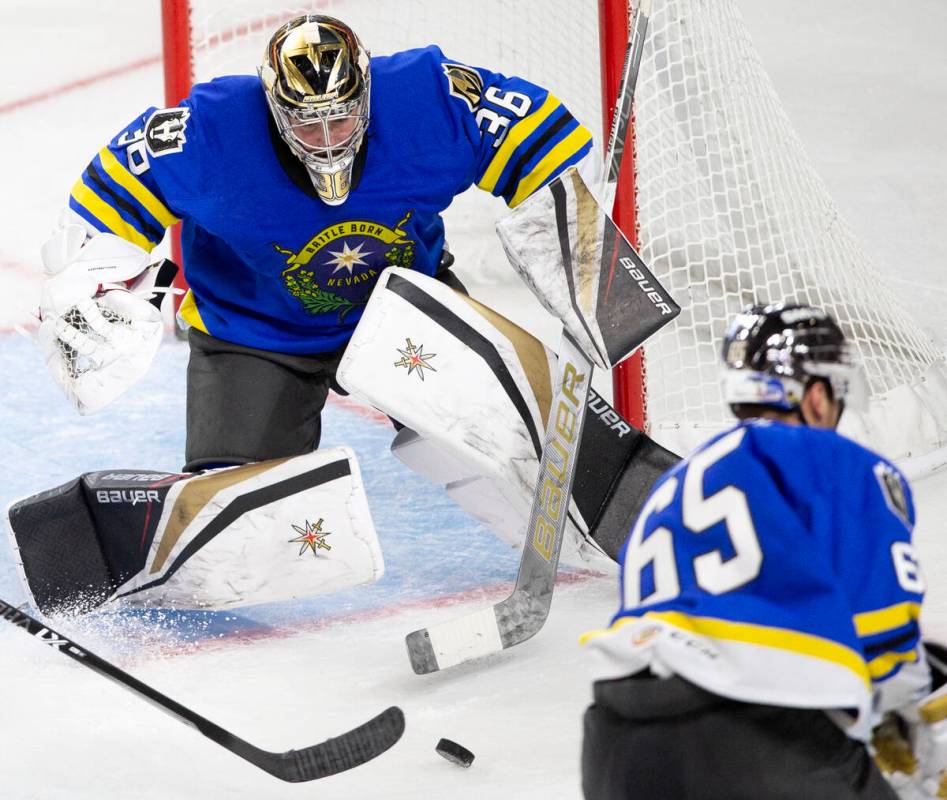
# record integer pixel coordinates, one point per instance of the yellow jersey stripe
(886, 619)
(109, 217)
(189, 313)
(882, 665)
(517, 135)
(136, 188)
(778, 638)
(554, 159)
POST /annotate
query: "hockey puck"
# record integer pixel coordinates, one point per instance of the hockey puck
(455, 753)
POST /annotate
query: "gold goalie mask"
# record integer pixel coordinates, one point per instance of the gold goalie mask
(317, 84)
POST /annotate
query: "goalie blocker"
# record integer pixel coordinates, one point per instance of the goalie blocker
(263, 532)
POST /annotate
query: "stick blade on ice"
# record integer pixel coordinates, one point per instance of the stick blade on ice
(340, 753)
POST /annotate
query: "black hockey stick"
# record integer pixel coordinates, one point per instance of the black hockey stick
(524, 612)
(334, 755)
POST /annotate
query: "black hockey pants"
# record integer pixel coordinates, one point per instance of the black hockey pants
(652, 739)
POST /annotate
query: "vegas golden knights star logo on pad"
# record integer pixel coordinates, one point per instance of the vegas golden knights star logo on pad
(465, 83)
(312, 537)
(414, 358)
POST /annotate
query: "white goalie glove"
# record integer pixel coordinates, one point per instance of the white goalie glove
(98, 331)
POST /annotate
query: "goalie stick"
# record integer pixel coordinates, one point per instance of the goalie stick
(334, 755)
(524, 612)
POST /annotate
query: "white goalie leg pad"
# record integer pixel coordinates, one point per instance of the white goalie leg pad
(264, 532)
(493, 501)
(475, 387)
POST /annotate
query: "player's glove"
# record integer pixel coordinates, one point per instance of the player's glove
(98, 331)
(911, 746)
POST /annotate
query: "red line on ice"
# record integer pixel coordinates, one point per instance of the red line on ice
(80, 83)
(484, 594)
(366, 412)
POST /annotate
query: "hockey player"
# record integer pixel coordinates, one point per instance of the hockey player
(770, 597)
(296, 189)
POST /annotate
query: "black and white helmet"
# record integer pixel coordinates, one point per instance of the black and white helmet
(772, 353)
(316, 77)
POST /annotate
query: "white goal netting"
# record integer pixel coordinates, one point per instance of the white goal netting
(730, 210)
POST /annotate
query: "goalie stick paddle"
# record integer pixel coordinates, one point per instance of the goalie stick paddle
(524, 612)
(334, 755)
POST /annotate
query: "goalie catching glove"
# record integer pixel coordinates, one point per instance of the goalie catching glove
(99, 329)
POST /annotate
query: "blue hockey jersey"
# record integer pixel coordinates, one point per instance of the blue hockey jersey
(269, 265)
(774, 565)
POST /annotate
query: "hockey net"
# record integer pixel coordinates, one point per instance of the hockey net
(729, 208)
(731, 212)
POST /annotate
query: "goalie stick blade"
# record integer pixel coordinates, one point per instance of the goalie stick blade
(338, 754)
(490, 630)
(451, 643)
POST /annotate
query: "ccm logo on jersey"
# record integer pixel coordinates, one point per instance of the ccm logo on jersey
(692, 643)
(644, 284)
(132, 496)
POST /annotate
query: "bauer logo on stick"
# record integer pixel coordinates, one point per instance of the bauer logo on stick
(562, 447)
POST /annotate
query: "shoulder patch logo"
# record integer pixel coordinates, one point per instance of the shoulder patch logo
(465, 83)
(164, 131)
(893, 490)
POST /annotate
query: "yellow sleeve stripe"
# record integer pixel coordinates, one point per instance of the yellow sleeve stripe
(882, 665)
(517, 135)
(869, 623)
(189, 313)
(109, 217)
(554, 159)
(136, 188)
(765, 636)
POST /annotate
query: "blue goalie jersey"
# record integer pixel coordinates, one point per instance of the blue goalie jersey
(775, 566)
(269, 265)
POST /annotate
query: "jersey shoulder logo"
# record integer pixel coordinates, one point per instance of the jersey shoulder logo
(464, 82)
(893, 490)
(164, 131)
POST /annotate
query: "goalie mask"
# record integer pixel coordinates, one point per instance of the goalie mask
(772, 355)
(317, 84)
